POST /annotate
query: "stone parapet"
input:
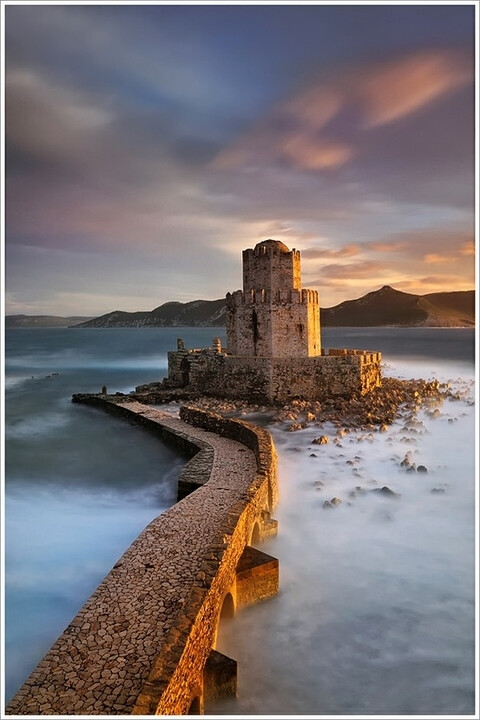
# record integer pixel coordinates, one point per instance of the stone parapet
(288, 297)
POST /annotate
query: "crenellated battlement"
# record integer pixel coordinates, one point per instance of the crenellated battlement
(240, 297)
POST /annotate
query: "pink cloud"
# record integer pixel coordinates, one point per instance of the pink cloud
(296, 130)
(403, 86)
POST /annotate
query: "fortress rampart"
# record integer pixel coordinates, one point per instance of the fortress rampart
(211, 372)
(144, 642)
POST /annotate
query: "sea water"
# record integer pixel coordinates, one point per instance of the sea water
(375, 613)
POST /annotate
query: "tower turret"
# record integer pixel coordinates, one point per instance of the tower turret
(273, 316)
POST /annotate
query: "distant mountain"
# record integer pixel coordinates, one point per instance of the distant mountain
(392, 307)
(198, 313)
(42, 321)
(381, 307)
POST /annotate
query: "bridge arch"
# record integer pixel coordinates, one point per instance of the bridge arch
(196, 706)
(255, 536)
(228, 607)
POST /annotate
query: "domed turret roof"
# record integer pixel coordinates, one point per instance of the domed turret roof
(274, 244)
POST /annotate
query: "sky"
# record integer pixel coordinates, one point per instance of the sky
(147, 145)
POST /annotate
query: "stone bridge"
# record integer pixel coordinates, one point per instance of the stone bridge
(144, 642)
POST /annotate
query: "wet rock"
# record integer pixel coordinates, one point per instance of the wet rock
(294, 427)
(322, 440)
(406, 462)
(385, 490)
(422, 469)
(335, 501)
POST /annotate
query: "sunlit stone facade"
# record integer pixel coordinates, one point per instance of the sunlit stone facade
(274, 351)
(272, 316)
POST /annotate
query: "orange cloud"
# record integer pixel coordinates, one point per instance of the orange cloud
(435, 258)
(468, 248)
(306, 152)
(433, 244)
(406, 85)
(386, 247)
(315, 106)
(365, 269)
(319, 253)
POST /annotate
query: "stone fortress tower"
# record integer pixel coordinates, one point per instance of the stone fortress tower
(274, 351)
(272, 316)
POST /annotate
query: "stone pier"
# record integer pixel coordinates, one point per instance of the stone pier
(144, 642)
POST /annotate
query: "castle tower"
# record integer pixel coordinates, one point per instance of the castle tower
(272, 316)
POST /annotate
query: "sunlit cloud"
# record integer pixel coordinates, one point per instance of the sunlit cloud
(437, 259)
(350, 271)
(387, 247)
(320, 253)
(305, 151)
(468, 247)
(401, 87)
(300, 130)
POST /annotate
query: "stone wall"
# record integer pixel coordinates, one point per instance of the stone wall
(260, 324)
(341, 373)
(142, 644)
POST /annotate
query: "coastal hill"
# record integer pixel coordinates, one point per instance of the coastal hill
(381, 307)
(43, 321)
(392, 307)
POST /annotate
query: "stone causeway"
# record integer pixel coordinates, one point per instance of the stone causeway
(144, 641)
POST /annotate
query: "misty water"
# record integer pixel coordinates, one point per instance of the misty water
(375, 613)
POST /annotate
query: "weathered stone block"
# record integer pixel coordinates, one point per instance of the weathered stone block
(256, 577)
(219, 677)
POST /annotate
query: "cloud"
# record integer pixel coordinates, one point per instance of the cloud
(134, 137)
(47, 120)
(432, 244)
(387, 247)
(468, 247)
(434, 258)
(402, 87)
(365, 269)
(303, 131)
(436, 280)
(320, 253)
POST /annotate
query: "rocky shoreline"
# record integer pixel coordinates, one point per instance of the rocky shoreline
(374, 411)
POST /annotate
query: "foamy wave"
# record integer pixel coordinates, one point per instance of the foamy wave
(36, 427)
